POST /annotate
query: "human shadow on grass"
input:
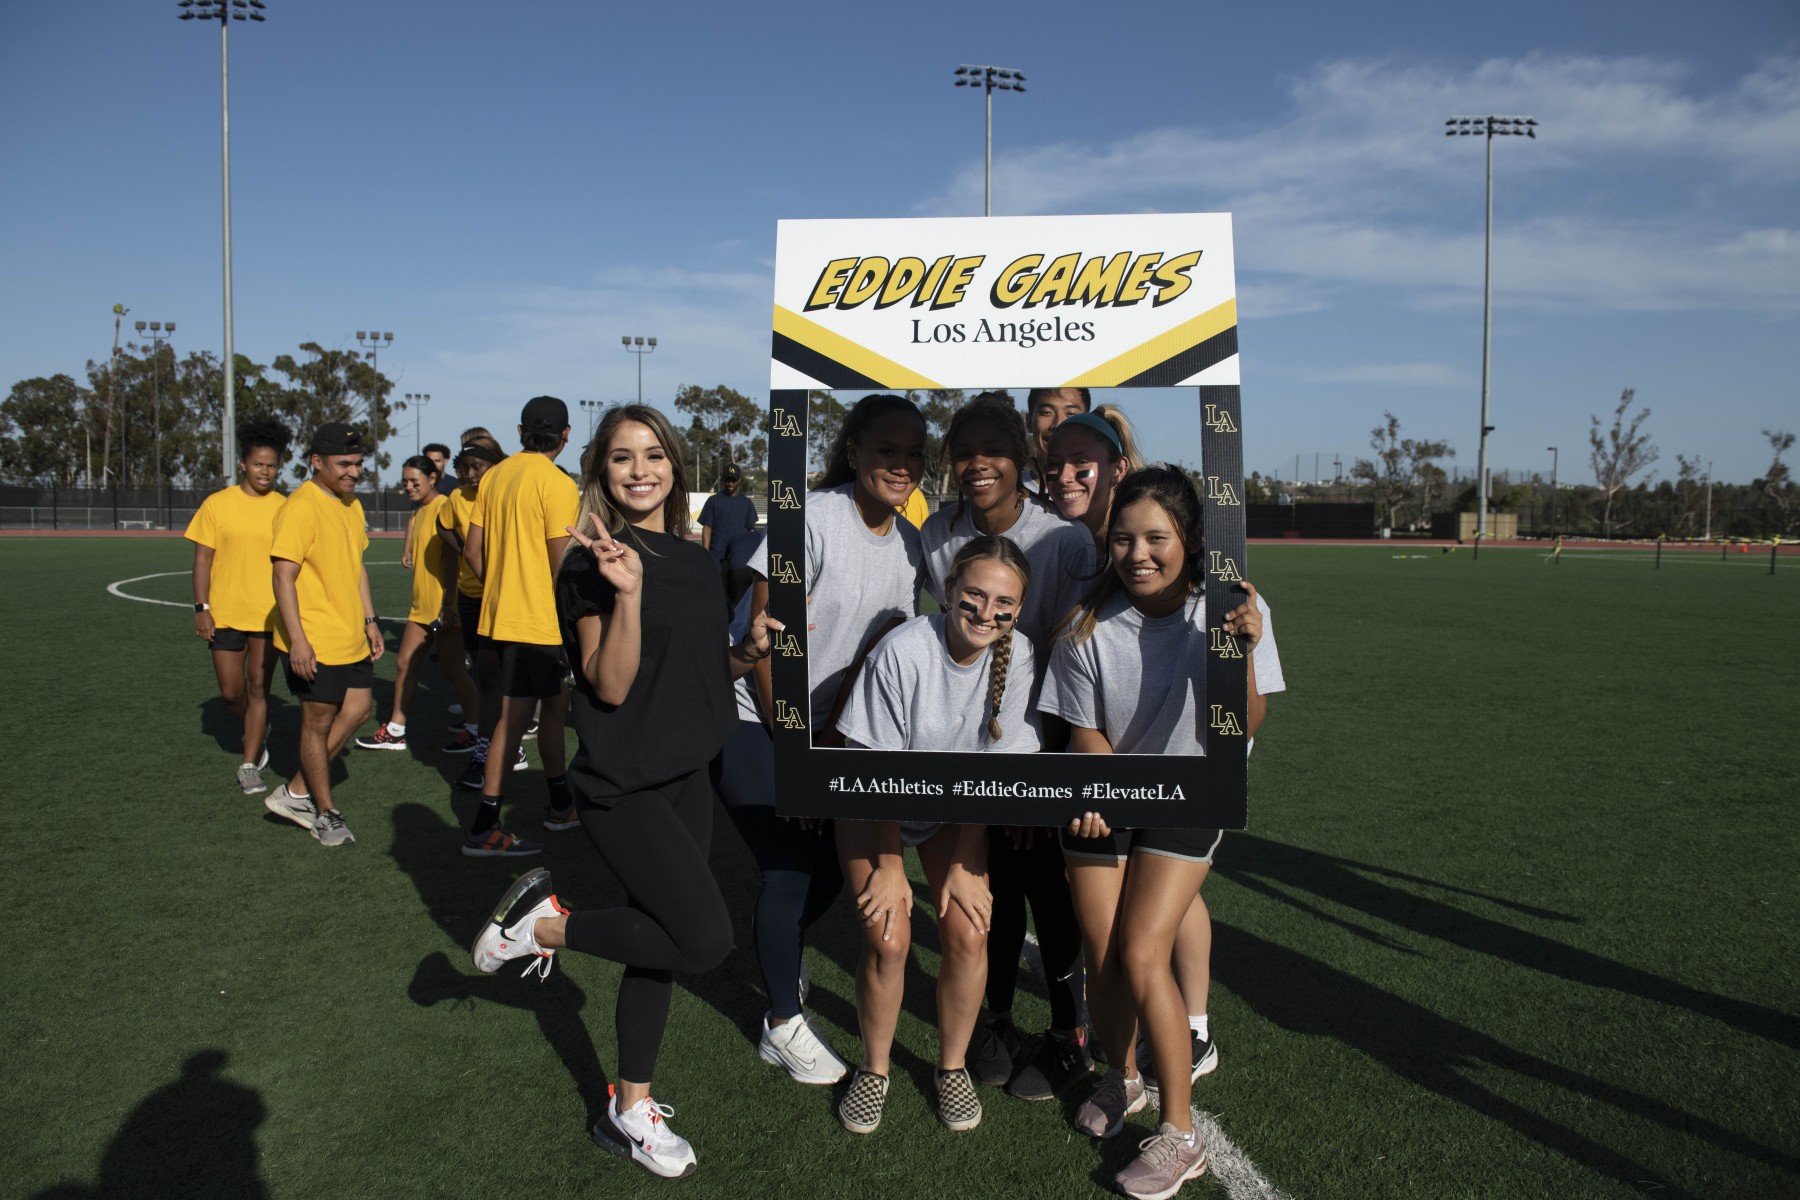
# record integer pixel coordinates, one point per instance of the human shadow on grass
(1307, 997)
(457, 893)
(195, 1137)
(1276, 870)
(219, 723)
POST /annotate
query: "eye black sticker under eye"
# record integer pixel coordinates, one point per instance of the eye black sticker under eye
(1085, 473)
(1000, 618)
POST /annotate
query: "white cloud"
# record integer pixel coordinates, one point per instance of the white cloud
(1641, 194)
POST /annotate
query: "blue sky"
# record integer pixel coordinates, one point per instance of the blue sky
(511, 188)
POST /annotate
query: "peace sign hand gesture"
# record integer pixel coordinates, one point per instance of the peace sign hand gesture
(619, 564)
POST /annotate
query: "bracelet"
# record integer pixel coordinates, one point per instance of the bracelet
(371, 620)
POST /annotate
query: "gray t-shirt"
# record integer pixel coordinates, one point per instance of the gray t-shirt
(911, 695)
(1142, 682)
(1063, 561)
(858, 582)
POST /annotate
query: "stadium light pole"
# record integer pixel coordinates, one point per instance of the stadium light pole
(158, 332)
(990, 80)
(1552, 450)
(640, 347)
(374, 343)
(592, 408)
(1709, 499)
(1490, 128)
(225, 12)
(420, 401)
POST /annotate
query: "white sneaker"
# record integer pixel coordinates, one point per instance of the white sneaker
(797, 1049)
(508, 934)
(289, 807)
(250, 779)
(642, 1134)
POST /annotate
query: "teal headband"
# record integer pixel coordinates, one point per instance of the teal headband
(1099, 425)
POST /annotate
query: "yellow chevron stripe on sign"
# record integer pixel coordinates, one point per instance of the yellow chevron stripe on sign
(1161, 348)
(842, 350)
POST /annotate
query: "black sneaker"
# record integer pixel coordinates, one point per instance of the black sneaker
(992, 1051)
(1056, 1064)
(1205, 1057)
(475, 776)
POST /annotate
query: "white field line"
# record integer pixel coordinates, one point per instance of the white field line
(116, 587)
(1226, 1160)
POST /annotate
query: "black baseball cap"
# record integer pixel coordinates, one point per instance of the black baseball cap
(544, 414)
(731, 472)
(334, 438)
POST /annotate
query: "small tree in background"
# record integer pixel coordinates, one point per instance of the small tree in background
(1777, 483)
(1619, 452)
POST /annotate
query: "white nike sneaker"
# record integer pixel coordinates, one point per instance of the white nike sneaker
(798, 1049)
(508, 933)
(289, 807)
(642, 1134)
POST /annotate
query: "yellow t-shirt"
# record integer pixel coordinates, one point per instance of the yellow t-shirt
(524, 503)
(238, 527)
(916, 508)
(325, 535)
(428, 559)
(458, 507)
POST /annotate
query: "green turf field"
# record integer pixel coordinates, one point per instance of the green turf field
(1516, 919)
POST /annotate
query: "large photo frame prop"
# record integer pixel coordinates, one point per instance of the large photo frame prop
(1138, 301)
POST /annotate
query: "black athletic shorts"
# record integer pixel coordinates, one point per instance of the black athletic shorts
(329, 684)
(235, 641)
(468, 615)
(529, 671)
(1190, 845)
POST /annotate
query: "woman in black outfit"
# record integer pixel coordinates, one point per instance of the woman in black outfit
(644, 619)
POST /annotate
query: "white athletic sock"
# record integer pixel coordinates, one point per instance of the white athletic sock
(1198, 1025)
(396, 730)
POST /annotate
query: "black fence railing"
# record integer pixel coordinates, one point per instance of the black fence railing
(74, 509)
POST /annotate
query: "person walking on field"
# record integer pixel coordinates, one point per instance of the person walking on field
(234, 599)
(517, 536)
(327, 630)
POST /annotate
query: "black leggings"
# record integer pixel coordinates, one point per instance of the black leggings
(800, 873)
(674, 918)
(1034, 873)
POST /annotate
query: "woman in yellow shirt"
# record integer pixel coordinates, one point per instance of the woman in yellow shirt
(434, 577)
(234, 590)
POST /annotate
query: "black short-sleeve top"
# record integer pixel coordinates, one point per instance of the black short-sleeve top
(679, 712)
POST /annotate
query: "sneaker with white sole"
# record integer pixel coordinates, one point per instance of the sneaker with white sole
(250, 779)
(642, 1134)
(510, 932)
(328, 829)
(957, 1105)
(1203, 1053)
(289, 807)
(798, 1049)
(860, 1109)
(476, 776)
(1103, 1114)
(531, 732)
(1167, 1160)
(382, 739)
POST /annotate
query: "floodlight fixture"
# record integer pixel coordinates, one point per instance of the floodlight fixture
(990, 80)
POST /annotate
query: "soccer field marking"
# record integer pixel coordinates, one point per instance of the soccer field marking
(115, 587)
(1226, 1160)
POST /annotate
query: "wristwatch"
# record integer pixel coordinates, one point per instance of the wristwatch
(202, 607)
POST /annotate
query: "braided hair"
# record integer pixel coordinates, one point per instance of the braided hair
(1004, 551)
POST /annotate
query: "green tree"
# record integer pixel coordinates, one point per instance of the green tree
(334, 385)
(1618, 452)
(42, 426)
(1777, 483)
(824, 417)
(725, 426)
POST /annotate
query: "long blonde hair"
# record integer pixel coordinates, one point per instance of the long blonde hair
(597, 501)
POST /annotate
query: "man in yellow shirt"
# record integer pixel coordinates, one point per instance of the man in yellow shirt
(517, 535)
(326, 629)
